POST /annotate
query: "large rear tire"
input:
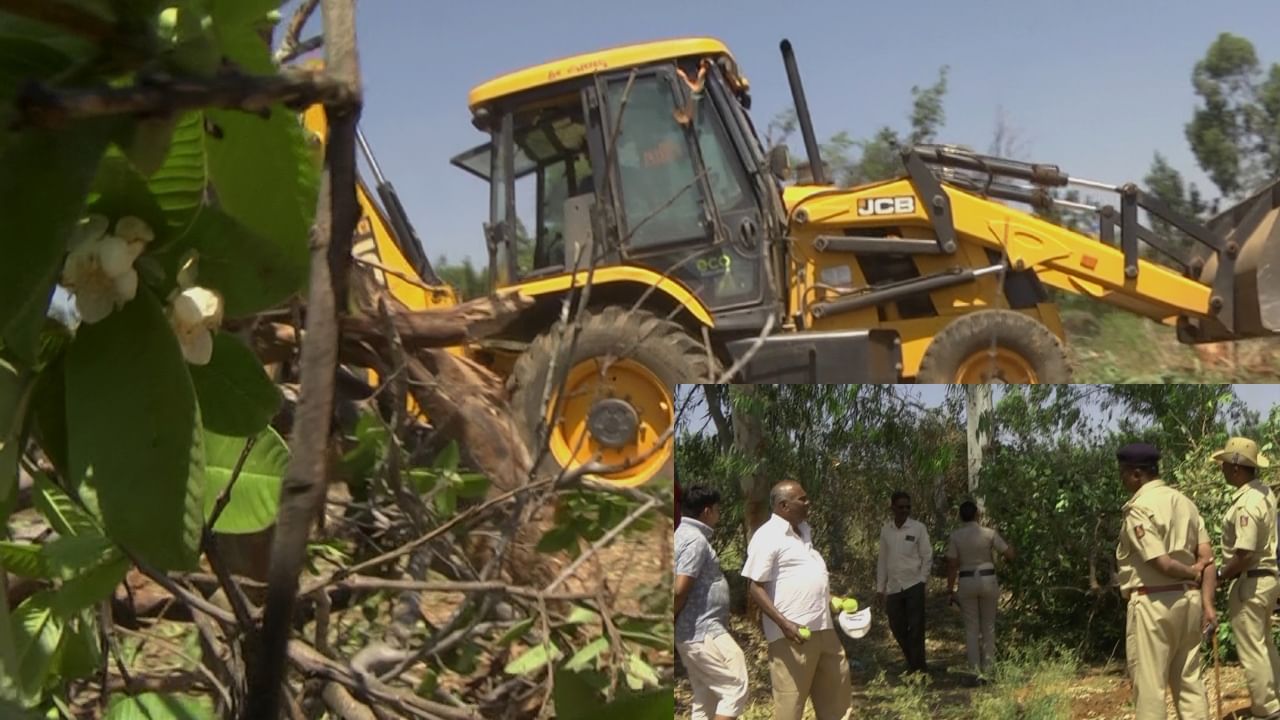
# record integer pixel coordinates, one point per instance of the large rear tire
(619, 392)
(995, 346)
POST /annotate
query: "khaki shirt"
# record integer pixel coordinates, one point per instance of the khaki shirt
(973, 546)
(1158, 520)
(1250, 524)
(905, 556)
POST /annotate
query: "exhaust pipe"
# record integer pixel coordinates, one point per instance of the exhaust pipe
(1253, 226)
(802, 115)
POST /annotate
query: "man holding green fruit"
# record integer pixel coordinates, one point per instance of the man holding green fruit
(788, 581)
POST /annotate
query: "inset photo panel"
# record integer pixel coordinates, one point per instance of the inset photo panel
(976, 551)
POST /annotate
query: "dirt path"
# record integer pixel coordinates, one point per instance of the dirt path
(1095, 692)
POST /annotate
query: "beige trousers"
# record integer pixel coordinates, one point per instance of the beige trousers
(1162, 641)
(814, 669)
(718, 673)
(1249, 607)
(977, 596)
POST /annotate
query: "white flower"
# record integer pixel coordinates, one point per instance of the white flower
(99, 268)
(194, 314)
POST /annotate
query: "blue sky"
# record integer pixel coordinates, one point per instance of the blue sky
(1094, 87)
(1260, 398)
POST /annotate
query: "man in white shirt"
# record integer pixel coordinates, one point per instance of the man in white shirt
(788, 581)
(901, 572)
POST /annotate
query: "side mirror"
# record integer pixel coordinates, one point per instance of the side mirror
(780, 162)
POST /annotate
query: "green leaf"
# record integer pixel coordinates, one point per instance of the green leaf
(427, 687)
(118, 190)
(470, 485)
(82, 653)
(10, 692)
(423, 480)
(533, 659)
(235, 25)
(49, 404)
(134, 431)
(44, 176)
(15, 393)
(178, 185)
(252, 271)
(154, 706)
(579, 694)
(584, 656)
(90, 588)
(60, 511)
(265, 178)
(23, 559)
(556, 539)
(236, 396)
(69, 556)
(638, 668)
(255, 498)
(647, 640)
(516, 632)
(147, 146)
(446, 502)
(242, 12)
(37, 632)
(581, 616)
(448, 457)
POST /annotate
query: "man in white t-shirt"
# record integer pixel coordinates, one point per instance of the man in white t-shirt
(901, 571)
(788, 581)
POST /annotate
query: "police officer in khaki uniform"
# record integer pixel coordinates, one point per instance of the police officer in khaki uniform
(1249, 546)
(971, 580)
(1161, 557)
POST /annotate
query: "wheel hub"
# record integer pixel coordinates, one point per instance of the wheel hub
(612, 423)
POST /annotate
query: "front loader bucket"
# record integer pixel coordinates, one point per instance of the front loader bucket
(1255, 300)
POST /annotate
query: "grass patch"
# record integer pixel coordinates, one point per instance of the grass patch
(906, 700)
(1029, 683)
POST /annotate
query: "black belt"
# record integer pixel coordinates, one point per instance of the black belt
(1260, 573)
(980, 573)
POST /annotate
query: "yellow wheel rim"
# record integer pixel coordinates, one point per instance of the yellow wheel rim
(630, 395)
(1000, 365)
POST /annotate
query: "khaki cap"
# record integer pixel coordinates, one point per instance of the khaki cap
(1241, 451)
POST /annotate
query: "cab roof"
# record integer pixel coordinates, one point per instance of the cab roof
(592, 62)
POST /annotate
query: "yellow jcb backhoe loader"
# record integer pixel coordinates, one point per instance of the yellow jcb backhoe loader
(637, 171)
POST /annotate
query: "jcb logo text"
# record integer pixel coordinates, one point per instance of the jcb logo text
(904, 205)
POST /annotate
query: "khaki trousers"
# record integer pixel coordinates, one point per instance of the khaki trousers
(814, 669)
(977, 597)
(1162, 641)
(1249, 606)
(718, 673)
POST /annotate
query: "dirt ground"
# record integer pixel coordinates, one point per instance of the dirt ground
(1100, 692)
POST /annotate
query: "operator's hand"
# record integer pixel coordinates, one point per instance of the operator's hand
(791, 631)
(1208, 619)
(1198, 567)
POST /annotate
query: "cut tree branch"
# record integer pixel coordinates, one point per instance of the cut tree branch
(41, 106)
(306, 477)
